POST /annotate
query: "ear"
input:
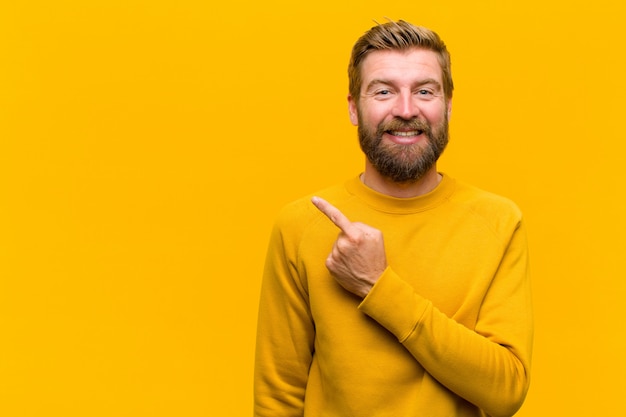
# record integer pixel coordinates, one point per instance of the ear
(449, 108)
(352, 109)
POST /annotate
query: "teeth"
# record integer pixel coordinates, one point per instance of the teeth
(409, 133)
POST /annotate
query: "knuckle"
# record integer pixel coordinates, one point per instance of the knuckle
(343, 244)
(355, 239)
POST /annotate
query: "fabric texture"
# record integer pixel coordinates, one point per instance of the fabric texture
(446, 330)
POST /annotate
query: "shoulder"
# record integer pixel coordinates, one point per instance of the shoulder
(484, 201)
(497, 212)
(301, 214)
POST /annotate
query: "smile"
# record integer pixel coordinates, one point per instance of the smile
(406, 134)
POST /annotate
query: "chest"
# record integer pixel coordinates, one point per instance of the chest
(450, 260)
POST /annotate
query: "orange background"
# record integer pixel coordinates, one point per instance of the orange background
(146, 146)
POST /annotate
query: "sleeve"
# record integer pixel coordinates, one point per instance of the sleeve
(488, 365)
(285, 334)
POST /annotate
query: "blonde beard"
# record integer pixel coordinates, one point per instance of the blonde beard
(404, 163)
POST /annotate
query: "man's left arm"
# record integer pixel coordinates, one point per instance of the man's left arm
(487, 365)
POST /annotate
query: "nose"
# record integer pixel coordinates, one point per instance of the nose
(405, 106)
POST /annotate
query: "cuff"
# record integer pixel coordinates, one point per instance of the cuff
(393, 303)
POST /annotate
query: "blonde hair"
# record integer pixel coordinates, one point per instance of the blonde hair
(398, 35)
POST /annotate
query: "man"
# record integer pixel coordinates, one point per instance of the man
(421, 306)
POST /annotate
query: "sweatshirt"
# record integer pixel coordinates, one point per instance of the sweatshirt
(445, 331)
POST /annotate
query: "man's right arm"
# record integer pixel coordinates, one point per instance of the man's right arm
(285, 334)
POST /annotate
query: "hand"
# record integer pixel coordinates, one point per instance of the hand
(358, 257)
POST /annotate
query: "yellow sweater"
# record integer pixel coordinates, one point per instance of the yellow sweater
(446, 330)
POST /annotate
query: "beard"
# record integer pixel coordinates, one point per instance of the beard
(403, 163)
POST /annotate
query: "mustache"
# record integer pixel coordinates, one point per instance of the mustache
(403, 124)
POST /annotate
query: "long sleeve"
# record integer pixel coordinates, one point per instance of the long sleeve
(446, 330)
(487, 365)
(285, 335)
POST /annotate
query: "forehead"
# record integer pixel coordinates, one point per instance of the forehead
(401, 65)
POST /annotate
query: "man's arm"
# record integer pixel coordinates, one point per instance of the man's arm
(488, 365)
(285, 336)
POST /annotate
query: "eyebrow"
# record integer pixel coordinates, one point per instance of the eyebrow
(425, 81)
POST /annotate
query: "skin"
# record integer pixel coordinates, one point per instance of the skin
(396, 84)
(400, 85)
(358, 257)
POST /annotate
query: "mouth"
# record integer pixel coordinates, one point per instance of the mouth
(405, 134)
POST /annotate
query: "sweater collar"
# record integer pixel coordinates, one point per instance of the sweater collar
(395, 205)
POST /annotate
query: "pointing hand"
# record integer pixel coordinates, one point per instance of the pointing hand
(358, 258)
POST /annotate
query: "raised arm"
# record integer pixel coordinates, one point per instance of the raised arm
(487, 365)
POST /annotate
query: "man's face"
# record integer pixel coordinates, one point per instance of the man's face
(402, 114)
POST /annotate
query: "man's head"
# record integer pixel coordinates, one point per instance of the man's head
(400, 97)
(398, 36)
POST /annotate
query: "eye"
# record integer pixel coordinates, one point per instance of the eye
(382, 93)
(425, 94)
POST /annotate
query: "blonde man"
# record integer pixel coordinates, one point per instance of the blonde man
(402, 292)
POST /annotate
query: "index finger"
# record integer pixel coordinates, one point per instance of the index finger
(333, 213)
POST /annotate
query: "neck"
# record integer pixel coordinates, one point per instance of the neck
(384, 185)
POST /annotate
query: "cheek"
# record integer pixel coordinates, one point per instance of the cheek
(435, 115)
(375, 116)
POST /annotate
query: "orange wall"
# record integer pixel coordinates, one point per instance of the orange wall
(145, 147)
